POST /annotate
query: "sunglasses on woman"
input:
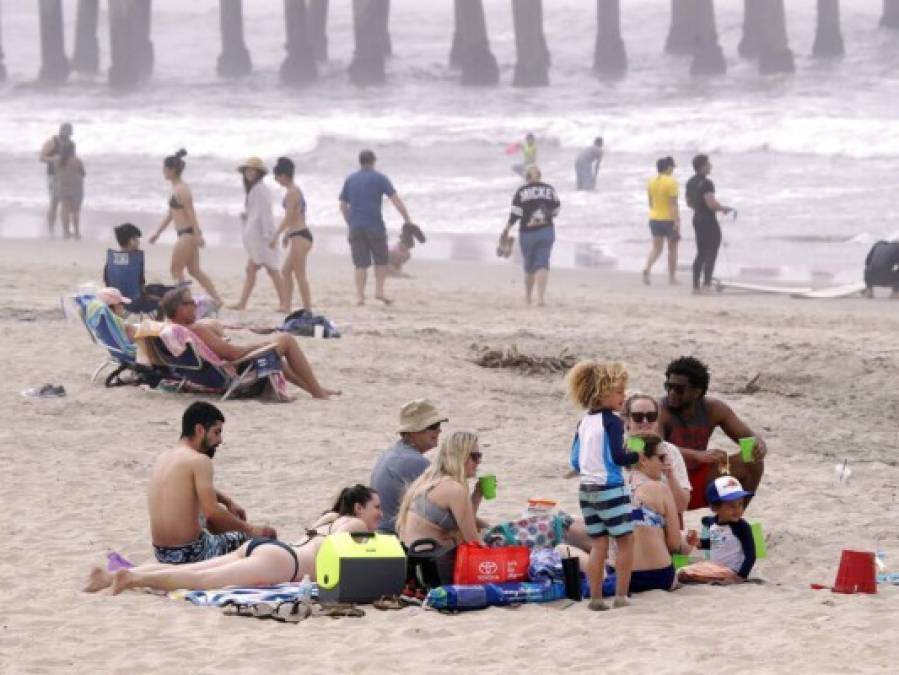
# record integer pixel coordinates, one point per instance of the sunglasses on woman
(641, 417)
(476, 456)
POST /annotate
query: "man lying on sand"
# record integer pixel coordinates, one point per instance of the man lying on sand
(181, 489)
(688, 419)
(180, 308)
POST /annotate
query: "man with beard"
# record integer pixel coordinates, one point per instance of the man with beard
(689, 418)
(189, 519)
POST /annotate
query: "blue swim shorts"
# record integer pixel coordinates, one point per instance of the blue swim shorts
(607, 509)
(663, 228)
(204, 547)
(536, 247)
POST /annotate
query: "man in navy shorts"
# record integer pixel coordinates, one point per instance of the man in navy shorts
(360, 203)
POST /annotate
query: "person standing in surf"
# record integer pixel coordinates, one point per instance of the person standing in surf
(296, 235)
(701, 198)
(186, 253)
(528, 151)
(664, 218)
(259, 238)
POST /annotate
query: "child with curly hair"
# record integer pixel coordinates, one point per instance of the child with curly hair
(598, 455)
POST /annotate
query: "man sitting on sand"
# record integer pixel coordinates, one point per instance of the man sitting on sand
(404, 461)
(179, 307)
(182, 490)
(688, 419)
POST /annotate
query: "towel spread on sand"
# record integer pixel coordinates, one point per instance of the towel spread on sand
(237, 595)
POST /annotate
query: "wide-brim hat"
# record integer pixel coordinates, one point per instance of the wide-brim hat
(253, 163)
(418, 415)
(112, 296)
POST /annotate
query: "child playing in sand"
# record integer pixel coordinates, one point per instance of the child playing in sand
(598, 455)
(401, 252)
(729, 537)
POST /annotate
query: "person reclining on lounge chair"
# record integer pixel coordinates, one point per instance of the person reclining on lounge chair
(111, 298)
(180, 308)
(259, 562)
(124, 270)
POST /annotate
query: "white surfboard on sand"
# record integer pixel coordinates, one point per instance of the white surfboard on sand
(846, 291)
(760, 288)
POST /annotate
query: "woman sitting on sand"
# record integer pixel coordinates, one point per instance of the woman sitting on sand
(438, 505)
(656, 525)
(186, 253)
(259, 562)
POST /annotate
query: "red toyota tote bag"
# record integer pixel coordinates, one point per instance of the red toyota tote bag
(479, 564)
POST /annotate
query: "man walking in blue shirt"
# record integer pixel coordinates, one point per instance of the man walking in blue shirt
(360, 203)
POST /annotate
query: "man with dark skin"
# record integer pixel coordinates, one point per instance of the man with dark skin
(689, 417)
(182, 495)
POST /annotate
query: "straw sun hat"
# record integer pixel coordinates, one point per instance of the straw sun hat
(253, 163)
(418, 415)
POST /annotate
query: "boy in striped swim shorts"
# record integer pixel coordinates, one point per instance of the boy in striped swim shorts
(598, 455)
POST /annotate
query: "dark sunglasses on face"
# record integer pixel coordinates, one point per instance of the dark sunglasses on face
(641, 417)
(676, 388)
(434, 427)
(476, 457)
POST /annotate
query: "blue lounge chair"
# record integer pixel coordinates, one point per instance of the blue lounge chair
(120, 351)
(253, 371)
(125, 271)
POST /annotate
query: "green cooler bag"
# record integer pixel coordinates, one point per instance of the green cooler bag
(359, 567)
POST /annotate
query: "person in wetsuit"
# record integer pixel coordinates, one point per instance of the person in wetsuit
(701, 198)
(186, 252)
(688, 419)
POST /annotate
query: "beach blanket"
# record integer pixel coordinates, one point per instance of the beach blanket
(237, 595)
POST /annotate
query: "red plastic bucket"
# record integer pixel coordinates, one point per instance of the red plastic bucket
(857, 573)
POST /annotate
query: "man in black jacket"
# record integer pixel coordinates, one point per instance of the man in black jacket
(882, 268)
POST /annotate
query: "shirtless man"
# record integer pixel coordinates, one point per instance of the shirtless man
(179, 307)
(50, 152)
(688, 419)
(182, 490)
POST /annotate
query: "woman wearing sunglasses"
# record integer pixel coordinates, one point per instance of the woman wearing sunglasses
(438, 504)
(641, 416)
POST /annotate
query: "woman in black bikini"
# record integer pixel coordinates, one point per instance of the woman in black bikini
(186, 253)
(296, 235)
(259, 562)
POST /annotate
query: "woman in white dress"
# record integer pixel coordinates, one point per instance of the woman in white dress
(258, 231)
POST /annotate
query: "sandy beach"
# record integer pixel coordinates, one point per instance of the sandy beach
(74, 470)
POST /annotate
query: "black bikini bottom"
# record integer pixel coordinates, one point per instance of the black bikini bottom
(305, 234)
(256, 542)
(186, 230)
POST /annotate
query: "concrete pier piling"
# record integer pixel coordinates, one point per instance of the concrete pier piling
(471, 45)
(532, 53)
(55, 66)
(370, 19)
(234, 61)
(890, 16)
(750, 46)
(131, 51)
(609, 53)
(828, 36)
(317, 17)
(776, 56)
(299, 66)
(708, 57)
(86, 56)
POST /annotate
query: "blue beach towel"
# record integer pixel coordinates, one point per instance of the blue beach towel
(243, 596)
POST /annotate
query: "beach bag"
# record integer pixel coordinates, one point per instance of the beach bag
(533, 531)
(479, 564)
(303, 323)
(429, 564)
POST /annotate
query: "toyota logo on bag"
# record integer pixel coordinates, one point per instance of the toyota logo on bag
(488, 567)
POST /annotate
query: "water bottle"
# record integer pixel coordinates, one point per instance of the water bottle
(704, 534)
(305, 591)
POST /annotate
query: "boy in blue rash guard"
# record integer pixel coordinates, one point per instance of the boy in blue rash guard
(729, 537)
(598, 455)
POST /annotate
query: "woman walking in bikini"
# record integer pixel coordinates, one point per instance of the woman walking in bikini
(186, 253)
(296, 235)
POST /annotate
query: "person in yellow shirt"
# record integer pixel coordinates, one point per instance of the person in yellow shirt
(664, 218)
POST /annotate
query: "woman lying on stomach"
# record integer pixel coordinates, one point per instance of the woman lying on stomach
(259, 562)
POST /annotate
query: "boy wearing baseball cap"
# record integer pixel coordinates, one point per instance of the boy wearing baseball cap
(729, 538)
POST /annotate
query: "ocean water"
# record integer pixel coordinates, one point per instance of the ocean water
(809, 160)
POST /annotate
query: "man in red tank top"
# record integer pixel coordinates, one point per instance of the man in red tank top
(689, 418)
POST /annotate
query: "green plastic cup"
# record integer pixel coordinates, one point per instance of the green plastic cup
(746, 446)
(488, 485)
(758, 536)
(636, 444)
(680, 560)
